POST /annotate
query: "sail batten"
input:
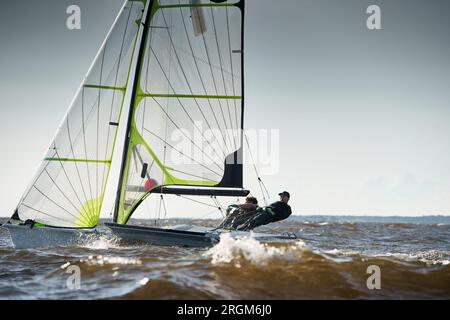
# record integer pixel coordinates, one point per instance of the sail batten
(78, 160)
(93, 86)
(196, 96)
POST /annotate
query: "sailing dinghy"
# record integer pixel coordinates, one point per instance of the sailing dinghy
(170, 73)
(190, 75)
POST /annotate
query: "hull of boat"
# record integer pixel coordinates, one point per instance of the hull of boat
(161, 236)
(184, 235)
(24, 237)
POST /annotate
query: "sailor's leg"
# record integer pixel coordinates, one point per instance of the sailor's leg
(259, 219)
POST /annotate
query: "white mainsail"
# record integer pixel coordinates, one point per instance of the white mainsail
(187, 106)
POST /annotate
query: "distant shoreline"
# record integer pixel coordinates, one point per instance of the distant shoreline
(432, 219)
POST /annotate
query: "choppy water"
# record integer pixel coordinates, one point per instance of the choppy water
(328, 262)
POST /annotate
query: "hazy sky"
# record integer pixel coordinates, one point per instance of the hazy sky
(364, 116)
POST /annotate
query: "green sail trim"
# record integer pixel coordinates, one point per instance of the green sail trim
(169, 179)
(78, 160)
(192, 5)
(90, 213)
(94, 86)
(192, 96)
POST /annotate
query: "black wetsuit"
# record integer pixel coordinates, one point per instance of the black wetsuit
(277, 211)
(282, 210)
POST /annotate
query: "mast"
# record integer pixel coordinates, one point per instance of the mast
(146, 19)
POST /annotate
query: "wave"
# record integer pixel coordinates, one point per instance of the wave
(327, 262)
(230, 250)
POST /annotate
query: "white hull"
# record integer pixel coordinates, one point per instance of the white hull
(24, 237)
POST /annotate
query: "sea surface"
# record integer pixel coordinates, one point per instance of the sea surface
(329, 260)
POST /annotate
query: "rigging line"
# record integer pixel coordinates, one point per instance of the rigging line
(191, 91)
(164, 207)
(98, 121)
(184, 134)
(197, 201)
(166, 125)
(182, 131)
(157, 204)
(199, 75)
(182, 106)
(67, 177)
(214, 82)
(136, 172)
(135, 152)
(148, 210)
(186, 79)
(137, 155)
(208, 214)
(54, 202)
(84, 139)
(265, 188)
(64, 195)
(94, 103)
(46, 214)
(158, 214)
(218, 205)
(98, 101)
(223, 76)
(76, 165)
(33, 185)
(114, 94)
(200, 59)
(142, 163)
(132, 174)
(150, 39)
(192, 175)
(251, 155)
(82, 132)
(134, 160)
(232, 72)
(155, 135)
(262, 191)
(255, 168)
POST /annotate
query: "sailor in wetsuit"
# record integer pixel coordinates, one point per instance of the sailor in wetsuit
(238, 214)
(277, 211)
(244, 220)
